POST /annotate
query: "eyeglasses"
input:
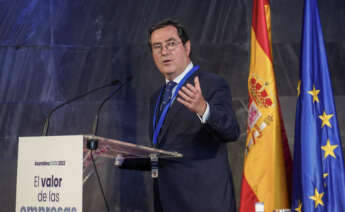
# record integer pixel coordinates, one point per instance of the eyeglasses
(170, 45)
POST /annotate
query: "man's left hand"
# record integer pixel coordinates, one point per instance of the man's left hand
(191, 97)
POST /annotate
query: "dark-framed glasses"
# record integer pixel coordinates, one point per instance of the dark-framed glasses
(169, 45)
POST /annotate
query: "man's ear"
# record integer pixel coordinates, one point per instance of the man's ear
(187, 47)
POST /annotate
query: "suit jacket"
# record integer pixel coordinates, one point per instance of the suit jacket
(201, 181)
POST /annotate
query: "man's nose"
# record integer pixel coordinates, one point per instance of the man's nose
(164, 50)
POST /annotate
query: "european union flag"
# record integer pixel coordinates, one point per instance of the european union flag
(318, 177)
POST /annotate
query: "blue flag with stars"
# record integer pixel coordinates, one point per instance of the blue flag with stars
(318, 176)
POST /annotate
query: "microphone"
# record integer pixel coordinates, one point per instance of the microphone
(93, 144)
(46, 123)
(95, 122)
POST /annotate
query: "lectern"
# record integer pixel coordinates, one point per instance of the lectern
(52, 169)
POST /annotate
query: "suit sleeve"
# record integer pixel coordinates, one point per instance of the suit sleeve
(222, 121)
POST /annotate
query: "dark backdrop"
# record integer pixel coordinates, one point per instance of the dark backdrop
(53, 50)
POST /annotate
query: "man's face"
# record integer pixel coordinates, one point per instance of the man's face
(170, 55)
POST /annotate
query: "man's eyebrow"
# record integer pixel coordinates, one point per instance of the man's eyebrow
(156, 44)
(159, 43)
(170, 39)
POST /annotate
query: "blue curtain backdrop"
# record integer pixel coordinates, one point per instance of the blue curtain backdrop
(54, 50)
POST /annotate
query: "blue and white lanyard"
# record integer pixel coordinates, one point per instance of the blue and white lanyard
(166, 108)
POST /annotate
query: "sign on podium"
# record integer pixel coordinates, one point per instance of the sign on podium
(52, 169)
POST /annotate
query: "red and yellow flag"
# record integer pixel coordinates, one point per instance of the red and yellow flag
(267, 166)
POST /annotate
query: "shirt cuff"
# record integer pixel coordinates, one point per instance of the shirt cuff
(204, 117)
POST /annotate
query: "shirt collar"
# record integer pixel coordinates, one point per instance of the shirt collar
(180, 77)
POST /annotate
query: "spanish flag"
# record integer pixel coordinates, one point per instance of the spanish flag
(267, 165)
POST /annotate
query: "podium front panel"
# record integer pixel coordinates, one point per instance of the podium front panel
(49, 173)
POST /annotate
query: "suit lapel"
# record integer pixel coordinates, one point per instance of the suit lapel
(168, 120)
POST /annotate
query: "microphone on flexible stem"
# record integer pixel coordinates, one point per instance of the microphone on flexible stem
(46, 122)
(93, 143)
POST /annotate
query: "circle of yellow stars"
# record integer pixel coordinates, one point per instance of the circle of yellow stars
(328, 148)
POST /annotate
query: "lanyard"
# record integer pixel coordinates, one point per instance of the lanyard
(166, 108)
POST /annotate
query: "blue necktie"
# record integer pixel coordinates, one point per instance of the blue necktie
(167, 95)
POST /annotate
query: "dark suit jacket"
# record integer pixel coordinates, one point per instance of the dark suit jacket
(201, 181)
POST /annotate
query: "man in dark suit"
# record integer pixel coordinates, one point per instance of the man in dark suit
(191, 114)
(197, 120)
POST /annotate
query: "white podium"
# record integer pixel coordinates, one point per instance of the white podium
(52, 169)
